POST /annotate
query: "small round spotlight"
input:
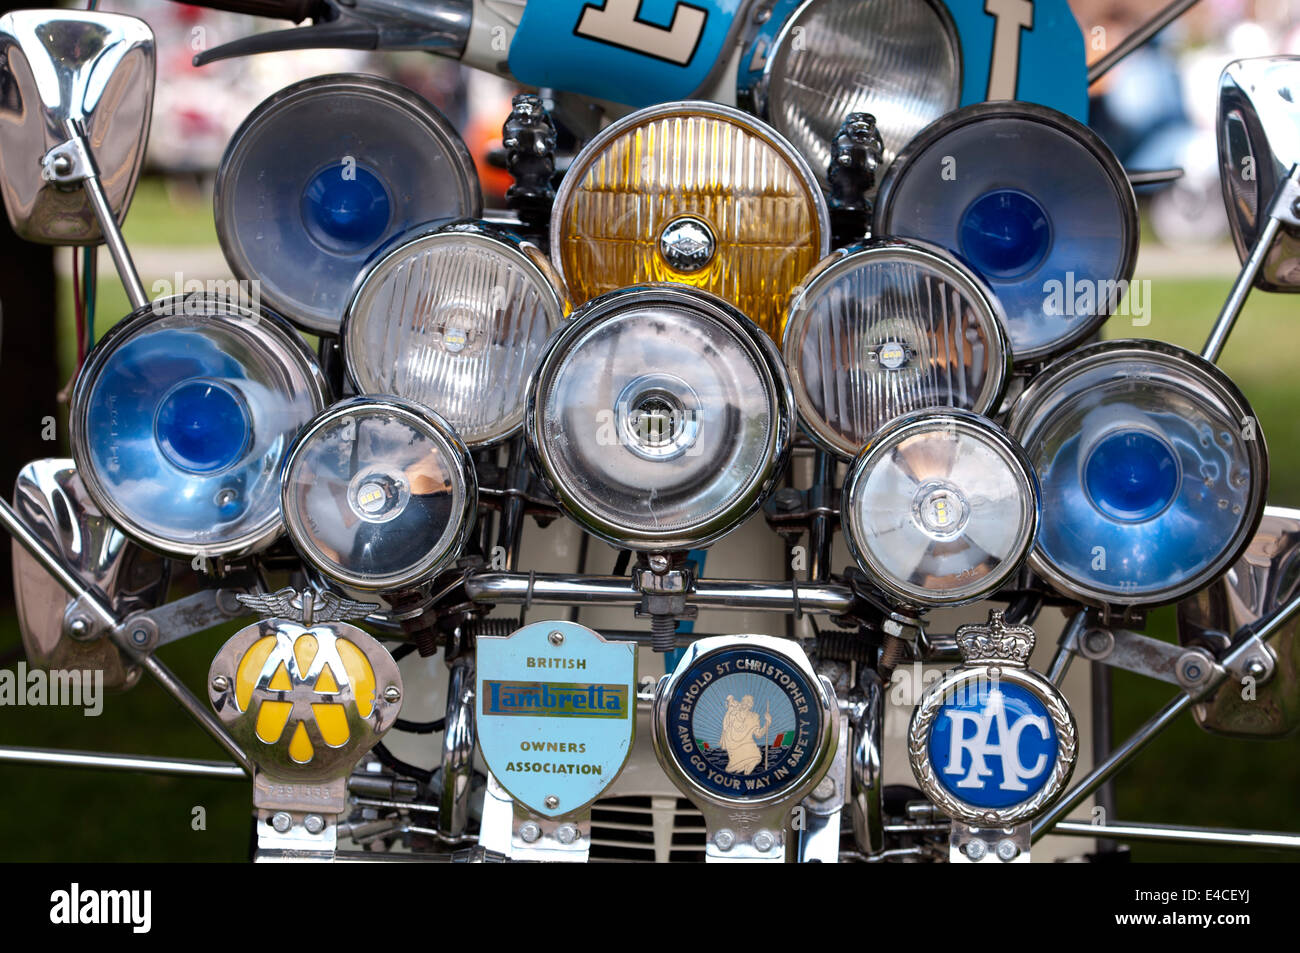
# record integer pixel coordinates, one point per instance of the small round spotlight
(887, 328)
(1153, 472)
(181, 416)
(696, 194)
(379, 494)
(660, 417)
(1035, 202)
(455, 320)
(940, 508)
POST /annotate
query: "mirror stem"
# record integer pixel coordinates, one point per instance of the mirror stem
(73, 162)
(1282, 210)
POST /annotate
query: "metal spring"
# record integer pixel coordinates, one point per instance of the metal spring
(844, 645)
(663, 633)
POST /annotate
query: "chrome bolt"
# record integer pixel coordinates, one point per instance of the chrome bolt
(724, 839)
(79, 628)
(392, 694)
(658, 564)
(220, 683)
(976, 850)
(1098, 642)
(314, 823)
(824, 791)
(140, 636)
(529, 832)
(1007, 850)
(551, 802)
(1295, 207)
(281, 821)
(61, 164)
(556, 637)
(1255, 667)
(566, 834)
(764, 841)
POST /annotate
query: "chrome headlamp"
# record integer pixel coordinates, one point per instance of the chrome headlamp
(1035, 202)
(813, 62)
(325, 172)
(887, 328)
(696, 194)
(180, 419)
(379, 494)
(1152, 467)
(940, 509)
(455, 320)
(660, 417)
(1259, 142)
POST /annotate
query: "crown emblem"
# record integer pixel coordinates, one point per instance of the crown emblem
(995, 641)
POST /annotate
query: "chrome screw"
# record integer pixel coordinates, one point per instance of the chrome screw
(976, 850)
(556, 638)
(392, 694)
(764, 841)
(724, 839)
(566, 834)
(658, 564)
(220, 683)
(61, 164)
(1256, 668)
(825, 790)
(1007, 850)
(551, 802)
(529, 832)
(281, 821)
(314, 823)
(79, 628)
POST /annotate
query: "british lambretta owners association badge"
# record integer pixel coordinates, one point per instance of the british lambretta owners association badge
(556, 715)
(745, 728)
(993, 743)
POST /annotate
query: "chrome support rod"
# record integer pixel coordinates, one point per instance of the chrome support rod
(570, 589)
(176, 767)
(1284, 208)
(1162, 719)
(1141, 35)
(457, 752)
(92, 602)
(1170, 833)
(126, 270)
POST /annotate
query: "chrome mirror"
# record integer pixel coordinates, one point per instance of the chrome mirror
(1265, 577)
(76, 93)
(1259, 166)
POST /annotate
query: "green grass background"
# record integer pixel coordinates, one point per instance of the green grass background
(1186, 776)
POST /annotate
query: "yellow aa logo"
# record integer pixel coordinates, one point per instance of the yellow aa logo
(300, 683)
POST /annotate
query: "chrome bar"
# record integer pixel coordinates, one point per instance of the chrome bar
(457, 752)
(1153, 176)
(176, 767)
(572, 589)
(1171, 833)
(196, 709)
(1240, 290)
(866, 770)
(126, 270)
(1121, 755)
(1139, 36)
(1065, 648)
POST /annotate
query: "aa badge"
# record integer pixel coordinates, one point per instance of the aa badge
(556, 714)
(745, 728)
(993, 743)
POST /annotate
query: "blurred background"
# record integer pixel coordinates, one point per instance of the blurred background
(1156, 110)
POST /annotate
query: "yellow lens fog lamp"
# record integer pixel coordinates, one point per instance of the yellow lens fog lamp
(696, 194)
(305, 695)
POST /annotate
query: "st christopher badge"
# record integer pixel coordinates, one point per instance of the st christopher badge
(556, 715)
(992, 743)
(305, 695)
(745, 728)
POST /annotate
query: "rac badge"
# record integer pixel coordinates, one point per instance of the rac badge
(556, 713)
(745, 728)
(993, 743)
